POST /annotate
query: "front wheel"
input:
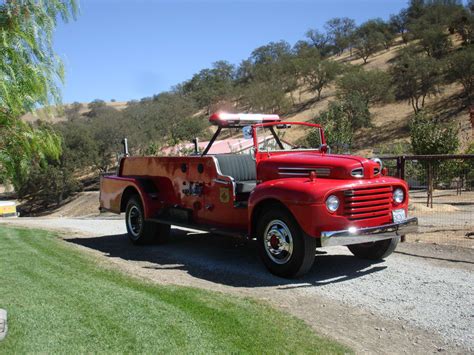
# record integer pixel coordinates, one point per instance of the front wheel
(375, 250)
(141, 231)
(284, 248)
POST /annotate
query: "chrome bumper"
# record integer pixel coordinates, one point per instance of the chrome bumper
(369, 234)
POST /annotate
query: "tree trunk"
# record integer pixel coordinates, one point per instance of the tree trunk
(417, 104)
(413, 105)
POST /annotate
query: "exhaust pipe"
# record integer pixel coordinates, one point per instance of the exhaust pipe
(196, 145)
(125, 147)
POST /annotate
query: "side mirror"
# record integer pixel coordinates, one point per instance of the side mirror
(247, 131)
(378, 161)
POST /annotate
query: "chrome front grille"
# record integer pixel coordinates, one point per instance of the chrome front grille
(304, 171)
(370, 202)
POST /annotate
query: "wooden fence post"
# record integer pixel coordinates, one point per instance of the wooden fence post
(399, 167)
(402, 167)
(429, 200)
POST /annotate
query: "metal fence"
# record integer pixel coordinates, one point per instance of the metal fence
(441, 195)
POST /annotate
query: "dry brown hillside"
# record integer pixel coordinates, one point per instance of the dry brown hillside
(55, 115)
(390, 121)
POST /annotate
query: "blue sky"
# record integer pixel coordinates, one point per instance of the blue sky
(129, 49)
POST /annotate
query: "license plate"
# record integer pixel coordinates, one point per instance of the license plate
(398, 216)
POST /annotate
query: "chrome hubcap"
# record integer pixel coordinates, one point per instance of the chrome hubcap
(278, 242)
(135, 221)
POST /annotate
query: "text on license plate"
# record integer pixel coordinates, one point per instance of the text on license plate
(398, 216)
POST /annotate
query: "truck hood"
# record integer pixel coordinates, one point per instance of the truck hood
(299, 164)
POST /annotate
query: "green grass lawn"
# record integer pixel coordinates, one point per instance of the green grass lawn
(60, 300)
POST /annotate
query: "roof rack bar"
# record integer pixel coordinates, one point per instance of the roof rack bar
(214, 137)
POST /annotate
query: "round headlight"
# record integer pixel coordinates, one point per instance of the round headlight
(398, 195)
(332, 203)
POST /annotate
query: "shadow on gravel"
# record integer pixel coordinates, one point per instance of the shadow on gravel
(435, 258)
(225, 260)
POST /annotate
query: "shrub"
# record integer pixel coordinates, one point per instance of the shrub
(49, 185)
(372, 86)
(430, 137)
(356, 110)
(337, 128)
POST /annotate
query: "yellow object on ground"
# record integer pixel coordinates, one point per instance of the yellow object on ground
(7, 209)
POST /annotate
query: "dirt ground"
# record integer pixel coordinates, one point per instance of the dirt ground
(417, 301)
(86, 204)
(448, 222)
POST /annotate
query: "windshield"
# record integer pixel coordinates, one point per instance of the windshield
(289, 136)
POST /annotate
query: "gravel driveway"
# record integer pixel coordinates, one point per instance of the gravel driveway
(421, 299)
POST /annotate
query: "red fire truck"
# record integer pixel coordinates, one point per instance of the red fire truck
(287, 191)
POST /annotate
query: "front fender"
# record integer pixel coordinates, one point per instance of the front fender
(294, 194)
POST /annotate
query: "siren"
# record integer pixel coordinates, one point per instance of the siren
(224, 119)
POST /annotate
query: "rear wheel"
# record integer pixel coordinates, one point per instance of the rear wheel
(375, 250)
(139, 230)
(283, 247)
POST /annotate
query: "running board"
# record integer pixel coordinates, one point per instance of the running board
(201, 227)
